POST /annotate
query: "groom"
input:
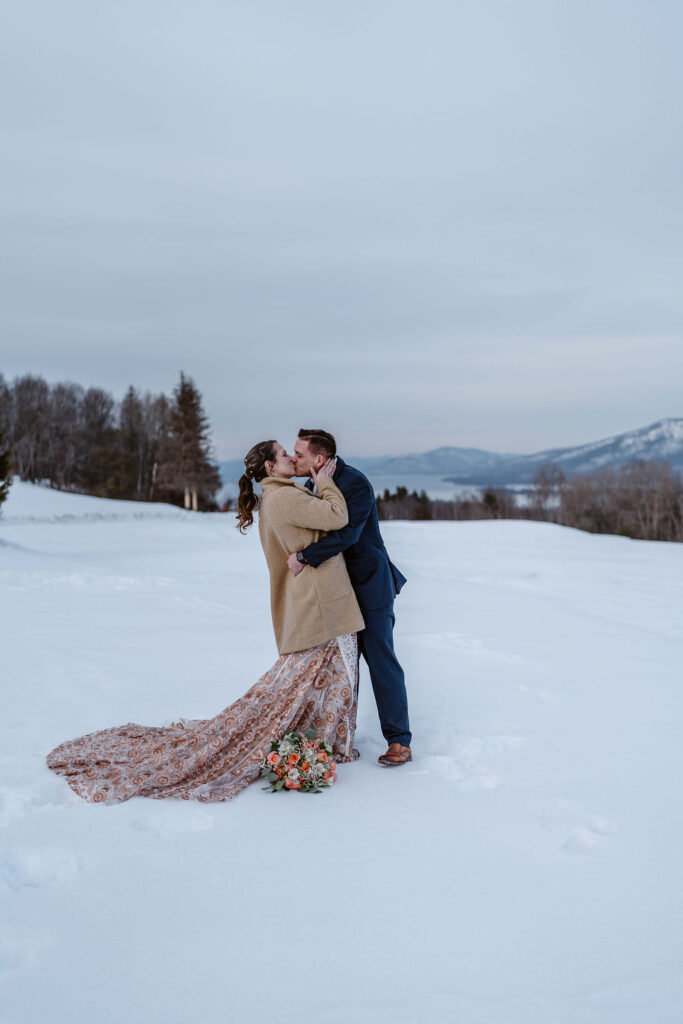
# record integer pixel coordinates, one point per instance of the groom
(374, 579)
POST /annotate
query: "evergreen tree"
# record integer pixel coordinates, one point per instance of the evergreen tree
(186, 470)
(98, 467)
(132, 445)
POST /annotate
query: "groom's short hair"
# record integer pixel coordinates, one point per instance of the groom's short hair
(320, 442)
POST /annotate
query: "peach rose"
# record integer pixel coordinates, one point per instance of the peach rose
(273, 757)
(293, 759)
(289, 784)
(322, 756)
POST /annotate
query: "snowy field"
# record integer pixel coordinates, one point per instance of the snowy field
(524, 869)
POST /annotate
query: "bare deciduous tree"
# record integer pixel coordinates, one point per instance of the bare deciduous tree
(64, 433)
(545, 493)
(29, 424)
(82, 440)
(643, 500)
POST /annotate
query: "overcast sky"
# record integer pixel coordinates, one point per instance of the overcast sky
(414, 223)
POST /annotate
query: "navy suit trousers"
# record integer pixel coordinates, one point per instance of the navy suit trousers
(376, 644)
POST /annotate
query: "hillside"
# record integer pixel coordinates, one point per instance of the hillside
(437, 471)
(524, 869)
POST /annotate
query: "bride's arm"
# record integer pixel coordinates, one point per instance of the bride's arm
(328, 512)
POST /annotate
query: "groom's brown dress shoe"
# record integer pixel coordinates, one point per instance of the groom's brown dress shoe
(395, 755)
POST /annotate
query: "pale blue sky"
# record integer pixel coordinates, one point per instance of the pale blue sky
(416, 223)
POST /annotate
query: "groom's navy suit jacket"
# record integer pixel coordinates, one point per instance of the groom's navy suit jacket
(375, 580)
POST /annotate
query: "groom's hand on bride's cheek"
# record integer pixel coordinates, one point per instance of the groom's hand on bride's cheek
(294, 564)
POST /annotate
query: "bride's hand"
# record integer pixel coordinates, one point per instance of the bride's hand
(326, 470)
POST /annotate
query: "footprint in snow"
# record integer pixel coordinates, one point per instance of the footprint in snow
(454, 771)
(555, 812)
(165, 824)
(446, 767)
(469, 766)
(33, 869)
(582, 838)
(601, 826)
(17, 803)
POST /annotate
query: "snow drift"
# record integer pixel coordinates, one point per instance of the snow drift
(524, 869)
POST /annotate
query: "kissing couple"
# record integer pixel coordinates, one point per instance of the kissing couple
(332, 590)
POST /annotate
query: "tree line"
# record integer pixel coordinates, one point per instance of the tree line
(158, 448)
(145, 448)
(642, 500)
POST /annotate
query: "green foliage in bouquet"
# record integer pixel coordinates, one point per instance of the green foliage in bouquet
(302, 763)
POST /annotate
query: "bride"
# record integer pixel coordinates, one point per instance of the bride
(312, 685)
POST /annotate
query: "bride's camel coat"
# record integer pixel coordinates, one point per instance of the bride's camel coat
(318, 604)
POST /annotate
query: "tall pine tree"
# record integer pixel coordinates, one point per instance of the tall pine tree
(185, 466)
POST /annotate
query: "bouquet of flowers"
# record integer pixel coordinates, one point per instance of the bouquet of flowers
(299, 762)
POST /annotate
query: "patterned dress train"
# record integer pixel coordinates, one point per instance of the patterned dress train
(212, 760)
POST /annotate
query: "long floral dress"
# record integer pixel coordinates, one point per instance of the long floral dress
(213, 759)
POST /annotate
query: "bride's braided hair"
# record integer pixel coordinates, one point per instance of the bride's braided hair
(254, 469)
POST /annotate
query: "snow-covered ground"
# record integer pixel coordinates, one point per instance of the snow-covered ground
(524, 869)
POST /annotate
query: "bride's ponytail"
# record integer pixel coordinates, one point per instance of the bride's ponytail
(254, 469)
(246, 504)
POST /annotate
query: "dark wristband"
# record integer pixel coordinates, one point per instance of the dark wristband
(300, 557)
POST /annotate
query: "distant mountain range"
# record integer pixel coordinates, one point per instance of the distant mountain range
(661, 440)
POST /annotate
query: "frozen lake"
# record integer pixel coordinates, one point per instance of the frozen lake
(434, 486)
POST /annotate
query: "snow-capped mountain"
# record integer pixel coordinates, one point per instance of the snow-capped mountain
(661, 440)
(441, 461)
